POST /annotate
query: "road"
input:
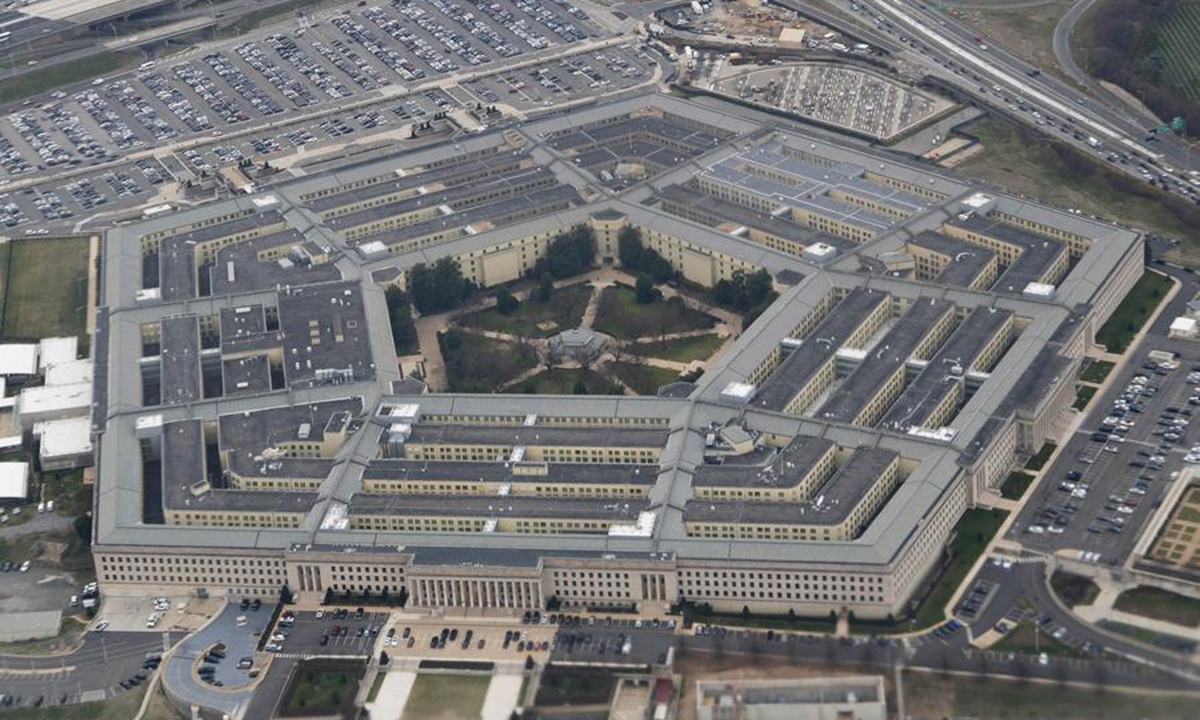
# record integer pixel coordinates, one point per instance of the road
(1001, 79)
(90, 673)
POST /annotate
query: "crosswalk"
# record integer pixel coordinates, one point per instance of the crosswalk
(294, 656)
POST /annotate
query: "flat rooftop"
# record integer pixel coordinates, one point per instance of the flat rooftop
(180, 359)
(882, 361)
(783, 468)
(325, 334)
(959, 354)
(782, 385)
(537, 436)
(831, 505)
(967, 261)
(1038, 252)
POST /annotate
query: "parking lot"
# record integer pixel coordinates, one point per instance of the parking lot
(1104, 484)
(258, 80)
(568, 79)
(93, 672)
(842, 96)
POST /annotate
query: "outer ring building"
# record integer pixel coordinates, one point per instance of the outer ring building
(254, 430)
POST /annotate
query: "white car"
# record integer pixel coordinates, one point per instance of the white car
(1037, 529)
(100, 626)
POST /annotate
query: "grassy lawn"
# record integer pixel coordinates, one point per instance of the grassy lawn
(66, 489)
(1015, 485)
(574, 687)
(1027, 163)
(1160, 604)
(564, 310)
(269, 15)
(1096, 372)
(1074, 589)
(446, 697)
(973, 532)
(1026, 31)
(621, 316)
(644, 379)
(46, 288)
(698, 347)
(321, 691)
(936, 695)
(774, 622)
(479, 364)
(1083, 396)
(51, 77)
(1133, 311)
(1038, 461)
(379, 678)
(1026, 640)
(562, 381)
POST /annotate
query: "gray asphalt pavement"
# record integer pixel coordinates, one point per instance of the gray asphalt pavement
(90, 673)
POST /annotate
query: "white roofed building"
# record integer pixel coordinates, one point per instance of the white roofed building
(65, 444)
(14, 481)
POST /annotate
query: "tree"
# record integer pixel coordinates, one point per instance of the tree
(629, 247)
(645, 291)
(545, 288)
(285, 595)
(404, 330)
(83, 528)
(580, 388)
(569, 253)
(439, 288)
(383, 658)
(506, 303)
(328, 596)
(745, 612)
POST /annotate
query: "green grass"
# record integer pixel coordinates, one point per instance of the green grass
(562, 381)
(446, 697)
(46, 288)
(643, 379)
(1028, 163)
(269, 15)
(621, 316)
(937, 695)
(574, 687)
(1083, 396)
(1096, 372)
(685, 350)
(1015, 485)
(479, 364)
(1026, 640)
(48, 78)
(321, 691)
(1074, 589)
(565, 309)
(1038, 461)
(1158, 604)
(1176, 38)
(973, 532)
(379, 678)
(773, 622)
(1131, 314)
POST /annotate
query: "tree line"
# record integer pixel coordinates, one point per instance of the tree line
(1123, 42)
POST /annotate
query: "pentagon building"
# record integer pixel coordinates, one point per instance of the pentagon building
(254, 431)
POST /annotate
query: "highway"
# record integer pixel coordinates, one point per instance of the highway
(1003, 80)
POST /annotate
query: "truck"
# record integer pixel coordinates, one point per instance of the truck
(1093, 141)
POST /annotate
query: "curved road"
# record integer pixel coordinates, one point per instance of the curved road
(1066, 60)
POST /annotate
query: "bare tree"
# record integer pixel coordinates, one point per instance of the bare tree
(587, 355)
